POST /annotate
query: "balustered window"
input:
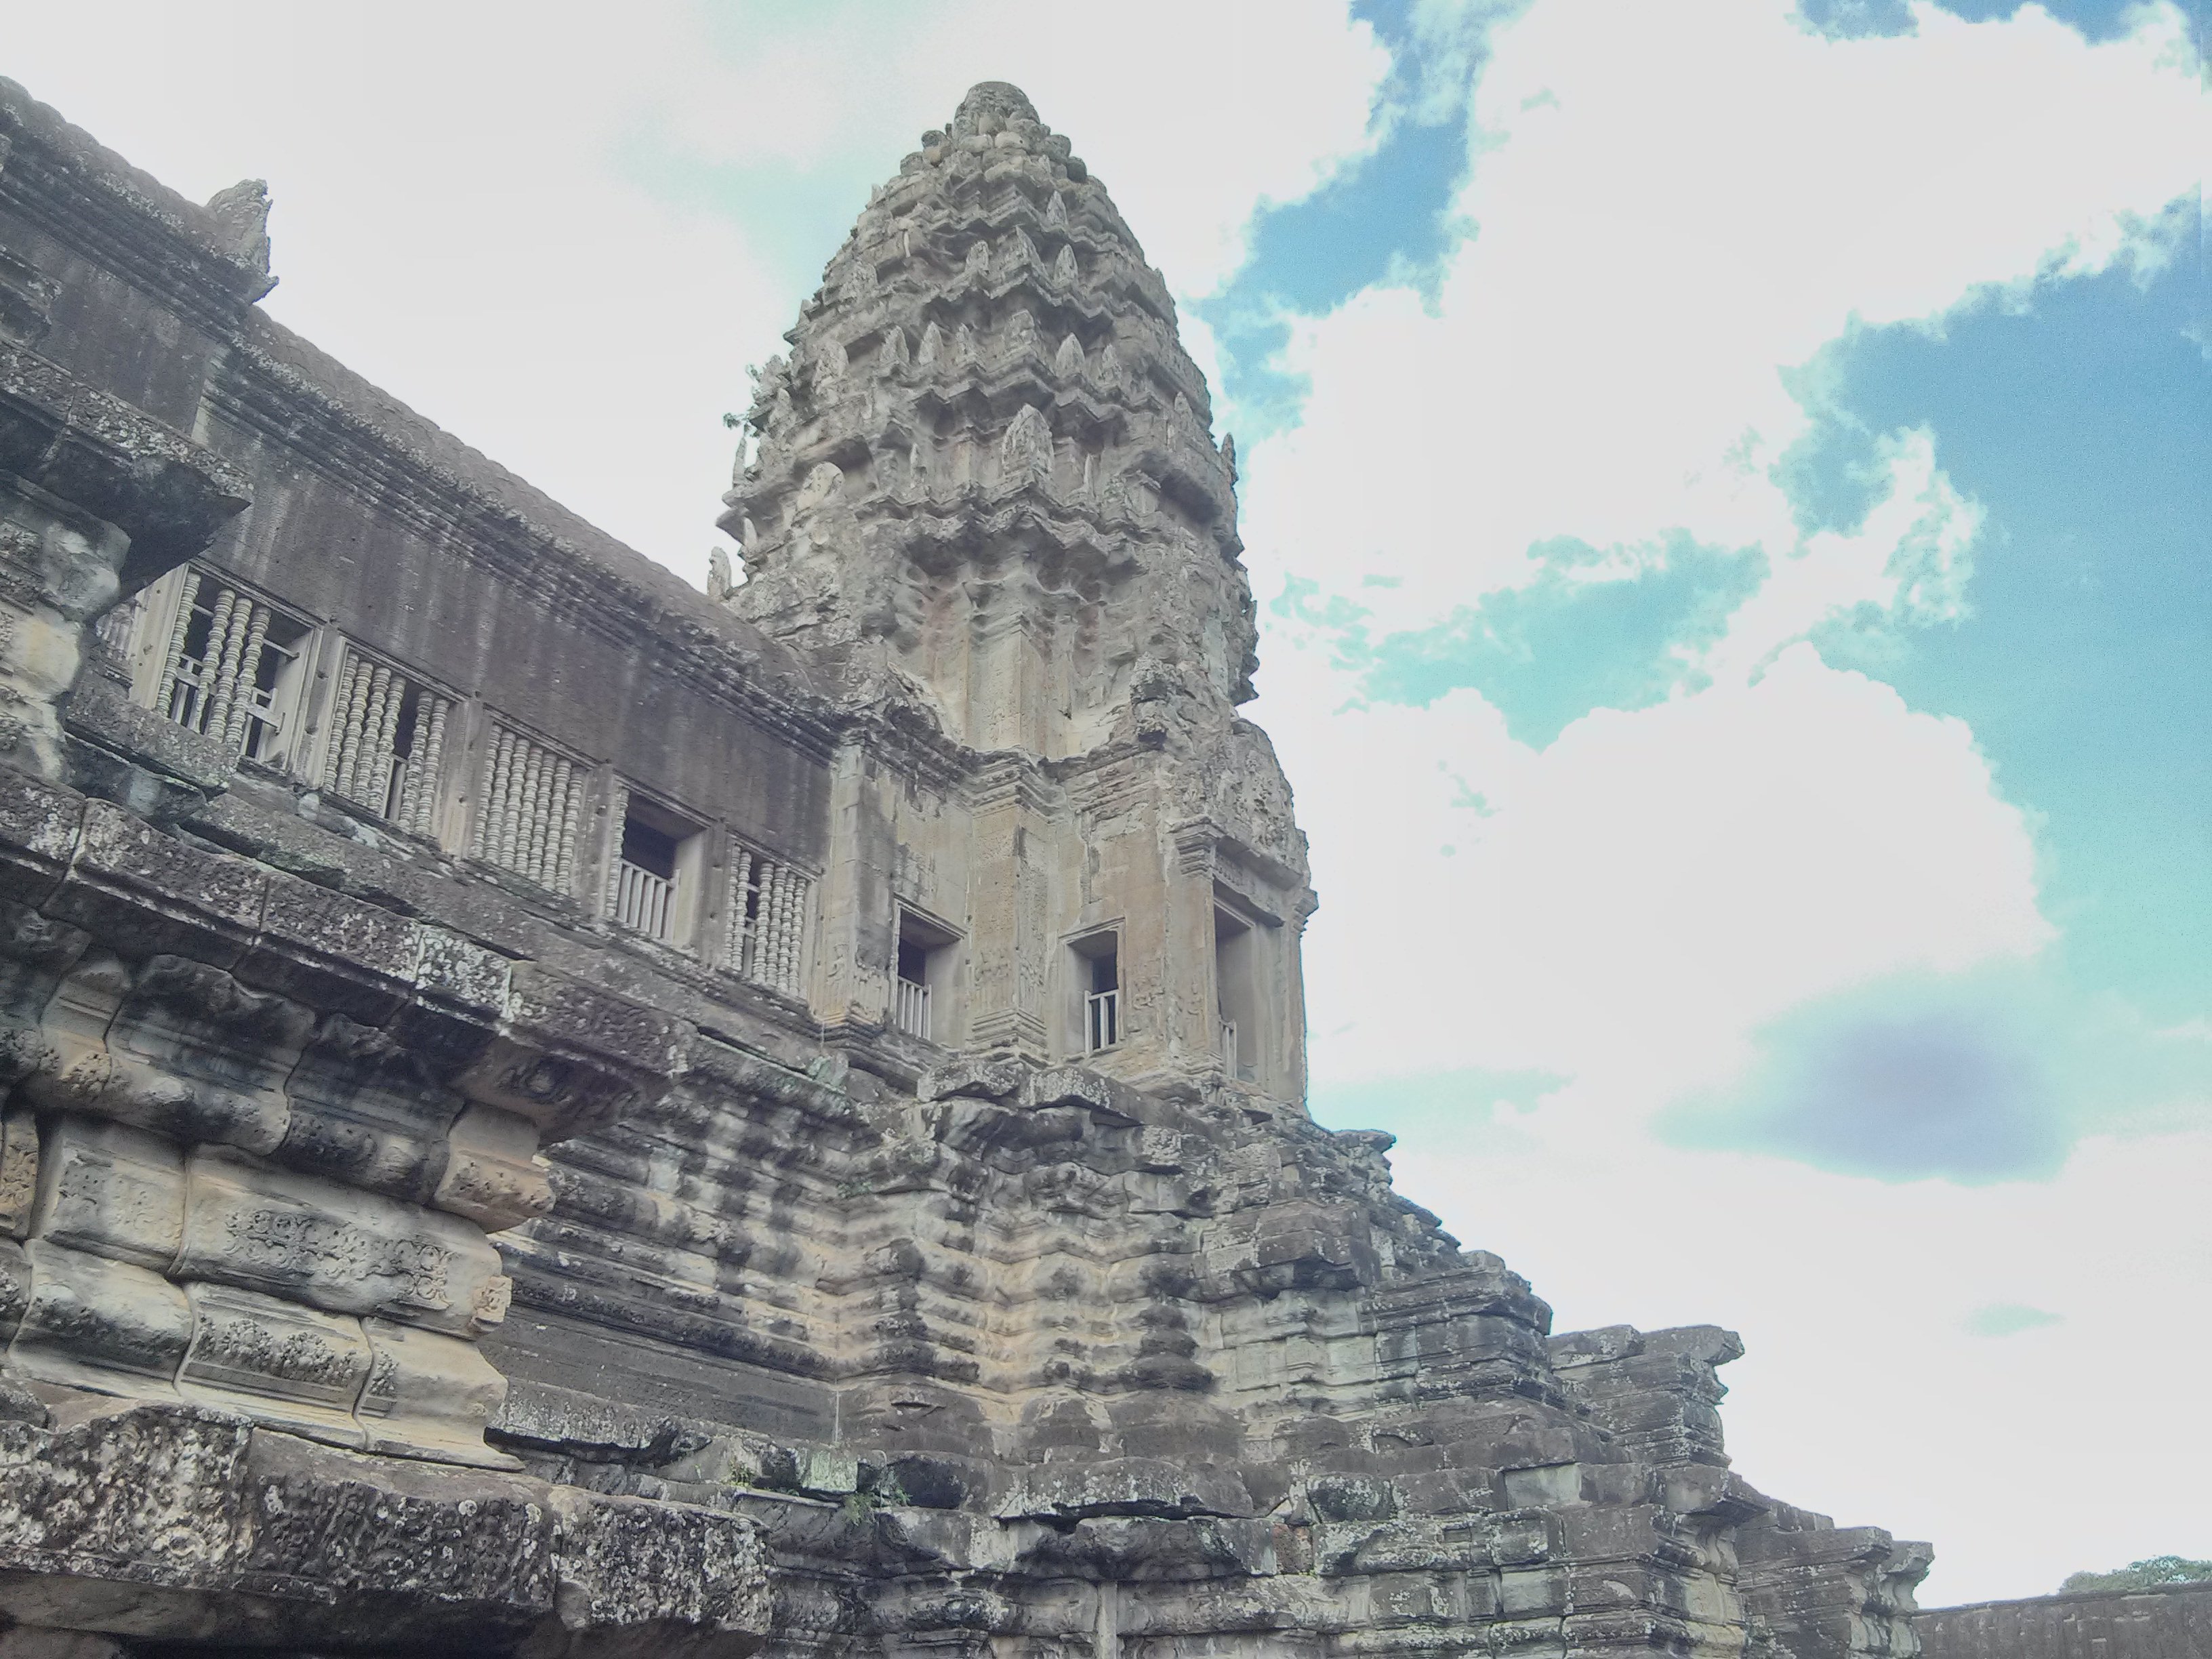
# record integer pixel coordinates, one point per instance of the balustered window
(1237, 993)
(923, 983)
(387, 743)
(767, 920)
(1096, 961)
(533, 803)
(230, 667)
(659, 867)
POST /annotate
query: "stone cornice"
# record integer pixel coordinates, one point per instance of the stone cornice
(91, 199)
(167, 493)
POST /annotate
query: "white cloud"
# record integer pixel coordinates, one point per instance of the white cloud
(1673, 205)
(1661, 227)
(1629, 903)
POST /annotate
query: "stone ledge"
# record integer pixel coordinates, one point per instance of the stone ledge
(164, 491)
(173, 1524)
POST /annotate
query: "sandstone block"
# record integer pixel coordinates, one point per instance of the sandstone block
(39, 828)
(93, 1322)
(1125, 1486)
(19, 1173)
(114, 1191)
(276, 1361)
(428, 1395)
(656, 1573)
(333, 952)
(493, 1175)
(131, 882)
(366, 1112)
(74, 1066)
(14, 1288)
(200, 1057)
(569, 1056)
(336, 1248)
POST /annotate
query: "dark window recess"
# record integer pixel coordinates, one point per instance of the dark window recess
(648, 849)
(913, 962)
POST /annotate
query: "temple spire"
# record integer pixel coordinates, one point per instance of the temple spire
(1029, 518)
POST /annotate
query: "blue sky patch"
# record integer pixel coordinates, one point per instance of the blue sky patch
(2083, 423)
(1386, 220)
(1451, 1110)
(2007, 1318)
(1585, 635)
(1853, 20)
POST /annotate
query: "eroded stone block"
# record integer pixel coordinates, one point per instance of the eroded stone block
(131, 881)
(19, 1173)
(493, 1175)
(276, 1360)
(336, 1248)
(429, 1396)
(200, 1057)
(74, 1067)
(112, 1190)
(14, 1288)
(367, 1112)
(93, 1322)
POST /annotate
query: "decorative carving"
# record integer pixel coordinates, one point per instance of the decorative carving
(1025, 452)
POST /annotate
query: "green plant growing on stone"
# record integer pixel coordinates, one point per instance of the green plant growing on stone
(2148, 1574)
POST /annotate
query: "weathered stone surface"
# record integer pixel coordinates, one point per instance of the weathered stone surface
(335, 1248)
(854, 1015)
(179, 1524)
(2172, 1622)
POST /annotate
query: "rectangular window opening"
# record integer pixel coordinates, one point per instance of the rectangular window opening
(233, 669)
(921, 983)
(1098, 964)
(1236, 996)
(654, 884)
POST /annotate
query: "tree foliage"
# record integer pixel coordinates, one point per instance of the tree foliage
(2143, 1575)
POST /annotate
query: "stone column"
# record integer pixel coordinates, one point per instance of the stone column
(1013, 945)
(1189, 1000)
(855, 913)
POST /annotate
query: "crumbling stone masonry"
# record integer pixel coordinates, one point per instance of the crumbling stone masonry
(552, 1113)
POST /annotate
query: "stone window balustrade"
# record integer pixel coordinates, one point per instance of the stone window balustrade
(387, 743)
(533, 803)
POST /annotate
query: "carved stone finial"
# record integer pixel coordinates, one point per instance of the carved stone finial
(992, 106)
(243, 212)
(826, 480)
(718, 575)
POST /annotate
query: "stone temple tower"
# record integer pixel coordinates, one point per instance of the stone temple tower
(985, 495)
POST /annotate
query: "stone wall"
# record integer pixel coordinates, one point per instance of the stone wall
(548, 1112)
(2173, 1621)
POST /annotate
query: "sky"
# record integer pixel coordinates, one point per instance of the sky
(1727, 485)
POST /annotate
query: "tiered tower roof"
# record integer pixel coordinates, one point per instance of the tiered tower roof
(985, 476)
